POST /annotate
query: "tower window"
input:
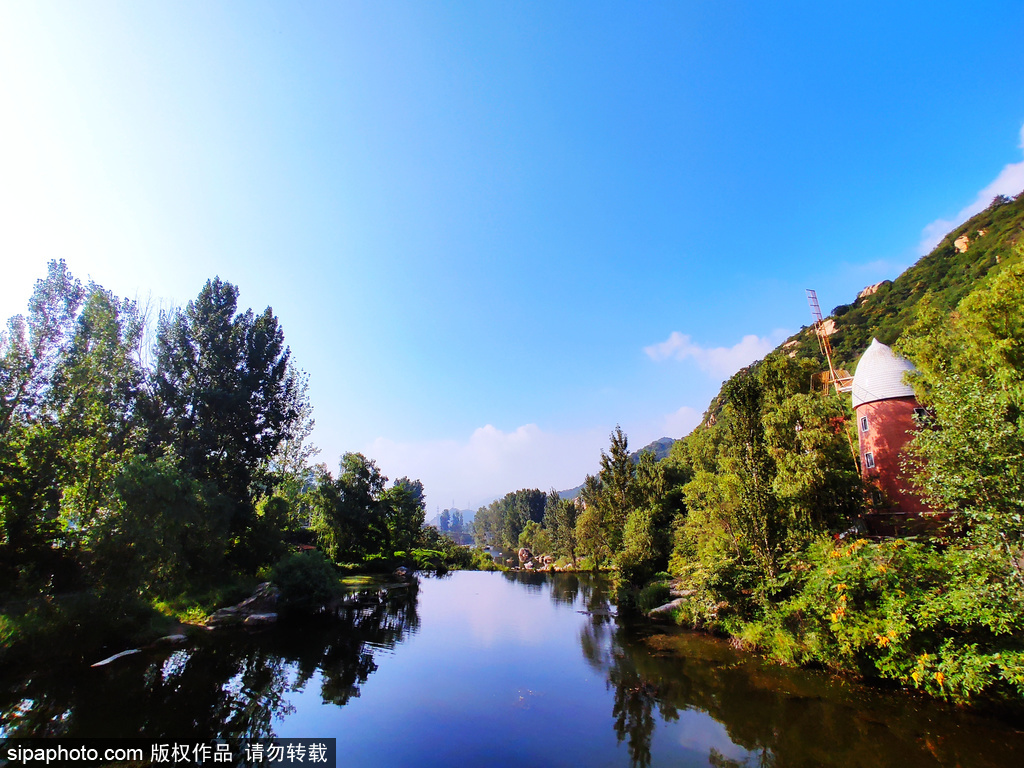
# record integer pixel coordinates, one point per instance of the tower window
(863, 423)
(869, 460)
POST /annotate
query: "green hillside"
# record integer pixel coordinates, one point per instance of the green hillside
(947, 273)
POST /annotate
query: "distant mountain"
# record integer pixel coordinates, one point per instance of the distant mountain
(659, 448)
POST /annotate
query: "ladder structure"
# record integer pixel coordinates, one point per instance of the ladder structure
(833, 377)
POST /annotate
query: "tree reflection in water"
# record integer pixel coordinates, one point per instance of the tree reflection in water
(766, 715)
(673, 697)
(635, 697)
(227, 686)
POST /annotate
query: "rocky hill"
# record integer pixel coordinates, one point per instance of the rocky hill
(956, 265)
(967, 255)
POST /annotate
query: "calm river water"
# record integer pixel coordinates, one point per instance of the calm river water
(499, 669)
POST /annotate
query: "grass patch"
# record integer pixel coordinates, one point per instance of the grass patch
(361, 581)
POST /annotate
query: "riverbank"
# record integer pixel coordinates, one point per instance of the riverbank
(942, 620)
(500, 669)
(80, 628)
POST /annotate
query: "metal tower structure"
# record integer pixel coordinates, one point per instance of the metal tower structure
(833, 377)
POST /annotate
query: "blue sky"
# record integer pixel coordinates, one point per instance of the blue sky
(480, 224)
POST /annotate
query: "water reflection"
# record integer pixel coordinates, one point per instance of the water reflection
(235, 688)
(773, 716)
(512, 669)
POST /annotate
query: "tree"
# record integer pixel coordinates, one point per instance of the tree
(30, 349)
(291, 461)
(560, 519)
(33, 458)
(618, 490)
(773, 463)
(591, 528)
(165, 530)
(752, 471)
(406, 512)
(971, 377)
(817, 482)
(92, 398)
(224, 399)
(486, 525)
(535, 538)
(356, 516)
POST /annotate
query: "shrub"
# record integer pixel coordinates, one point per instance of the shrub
(652, 596)
(307, 581)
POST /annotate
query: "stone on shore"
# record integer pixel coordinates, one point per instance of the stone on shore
(665, 611)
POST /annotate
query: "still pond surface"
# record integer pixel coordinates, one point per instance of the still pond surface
(500, 669)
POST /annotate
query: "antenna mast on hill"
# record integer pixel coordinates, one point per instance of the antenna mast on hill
(833, 377)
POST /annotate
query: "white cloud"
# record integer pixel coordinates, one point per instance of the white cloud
(718, 361)
(491, 462)
(681, 423)
(1010, 182)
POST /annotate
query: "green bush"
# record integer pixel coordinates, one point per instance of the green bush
(380, 563)
(947, 621)
(307, 581)
(652, 596)
(484, 562)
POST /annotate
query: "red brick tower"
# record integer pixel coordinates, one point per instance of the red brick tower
(885, 407)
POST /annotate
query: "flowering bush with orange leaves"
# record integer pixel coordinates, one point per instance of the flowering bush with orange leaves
(946, 621)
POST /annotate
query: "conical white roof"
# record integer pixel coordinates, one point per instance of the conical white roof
(879, 375)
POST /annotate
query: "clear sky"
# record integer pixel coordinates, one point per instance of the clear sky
(491, 231)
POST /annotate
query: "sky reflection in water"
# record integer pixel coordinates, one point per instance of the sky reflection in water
(497, 669)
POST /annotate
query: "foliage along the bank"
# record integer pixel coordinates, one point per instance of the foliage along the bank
(770, 548)
(134, 472)
(757, 516)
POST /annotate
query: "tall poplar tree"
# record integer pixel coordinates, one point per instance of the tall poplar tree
(224, 401)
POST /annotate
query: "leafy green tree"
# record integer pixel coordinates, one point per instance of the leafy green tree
(92, 399)
(591, 526)
(535, 538)
(405, 513)
(31, 348)
(971, 377)
(618, 494)
(643, 550)
(560, 520)
(291, 462)
(752, 470)
(356, 515)
(165, 531)
(32, 455)
(224, 399)
(505, 518)
(487, 525)
(816, 480)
